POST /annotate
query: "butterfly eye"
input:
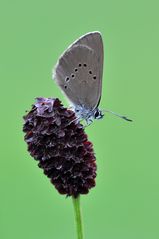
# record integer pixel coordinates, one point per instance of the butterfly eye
(96, 114)
(94, 77)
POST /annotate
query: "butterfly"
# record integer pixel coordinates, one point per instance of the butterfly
(79, 73)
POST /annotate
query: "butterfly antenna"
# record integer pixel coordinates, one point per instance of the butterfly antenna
(120, 116)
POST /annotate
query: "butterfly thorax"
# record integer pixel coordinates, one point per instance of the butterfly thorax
(88, 115)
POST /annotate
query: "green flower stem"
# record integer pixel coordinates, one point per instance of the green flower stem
(78, 218)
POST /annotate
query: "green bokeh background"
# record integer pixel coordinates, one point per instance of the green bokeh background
(125, 202)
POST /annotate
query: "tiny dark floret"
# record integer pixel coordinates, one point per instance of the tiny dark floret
(61, 147)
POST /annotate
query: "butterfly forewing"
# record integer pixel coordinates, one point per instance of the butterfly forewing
(79, 71)
(94, 41)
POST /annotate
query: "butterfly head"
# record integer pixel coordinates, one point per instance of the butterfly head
(87, 114)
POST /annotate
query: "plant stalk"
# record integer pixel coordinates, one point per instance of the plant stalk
(78, 217)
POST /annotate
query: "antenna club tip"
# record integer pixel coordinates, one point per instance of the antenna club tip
(127, 119)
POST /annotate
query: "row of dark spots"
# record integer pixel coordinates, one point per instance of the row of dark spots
(76, 69)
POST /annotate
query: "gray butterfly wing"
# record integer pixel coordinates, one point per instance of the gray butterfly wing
(77, 74)
(94, 41)
(79, 71)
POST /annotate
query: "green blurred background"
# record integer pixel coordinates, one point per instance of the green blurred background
(125, 202)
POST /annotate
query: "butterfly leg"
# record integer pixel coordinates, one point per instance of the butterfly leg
(78, 118)
(89, 121)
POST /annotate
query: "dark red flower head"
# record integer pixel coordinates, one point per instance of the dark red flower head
(61, 146)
